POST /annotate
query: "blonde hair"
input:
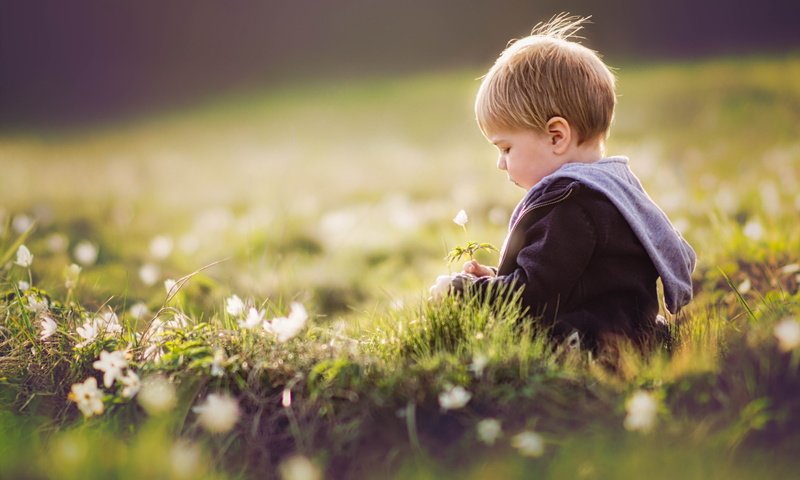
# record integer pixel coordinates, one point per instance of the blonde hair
(544, 75)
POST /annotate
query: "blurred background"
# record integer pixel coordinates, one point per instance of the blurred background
(85, 62)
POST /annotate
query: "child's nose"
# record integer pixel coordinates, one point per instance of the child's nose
(501, 162)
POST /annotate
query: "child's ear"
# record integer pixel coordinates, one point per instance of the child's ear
(560, 134)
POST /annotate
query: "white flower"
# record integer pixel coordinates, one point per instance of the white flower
(479, 362)
(111, 364)
(179, 320)
(23, 285)
(642, 409)
(37, 306)
(108, 322)
(159, 327)
(85, 253)
(489, 430)
(286, 328)
(753, 230)
(161, 247)
(298, 467)
(131, 384)
(24, 257)
(254, 318)
(169, 286)
(149, 273)
(153, 353)
(286, 398)
(157, 395)
(88, 332)
(49, 327)
(138, 310)
(790, 268)
(71, 275)
(529, 444)
(744, 287)
(441, 287)
(234, 306)
(88, 397)
(218, 413)
(454, 398)
(787, 331)
(461, 218)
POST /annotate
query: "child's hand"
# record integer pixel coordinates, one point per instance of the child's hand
(474, 268)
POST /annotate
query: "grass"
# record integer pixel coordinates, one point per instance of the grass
(339, 197)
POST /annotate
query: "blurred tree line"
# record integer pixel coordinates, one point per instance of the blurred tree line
(90, 60)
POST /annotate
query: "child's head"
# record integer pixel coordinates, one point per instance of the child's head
(546, 75)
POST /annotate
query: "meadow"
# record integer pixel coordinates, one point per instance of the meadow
(263, 262)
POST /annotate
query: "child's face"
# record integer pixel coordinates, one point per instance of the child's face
(526, 155)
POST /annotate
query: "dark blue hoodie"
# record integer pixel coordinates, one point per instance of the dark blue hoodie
(588, 244)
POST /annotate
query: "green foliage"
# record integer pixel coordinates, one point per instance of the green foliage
(468, 250)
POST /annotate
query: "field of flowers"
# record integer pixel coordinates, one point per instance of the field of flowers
(240, 290)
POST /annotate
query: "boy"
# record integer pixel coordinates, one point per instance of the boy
(586, 244)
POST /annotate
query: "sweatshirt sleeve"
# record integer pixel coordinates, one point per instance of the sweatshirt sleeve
(558, 247)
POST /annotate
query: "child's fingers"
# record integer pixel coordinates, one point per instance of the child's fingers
(471, 267)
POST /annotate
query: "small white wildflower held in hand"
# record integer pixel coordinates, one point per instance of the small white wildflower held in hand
(454, 398)
(254, 318)
(85, 253)
(529, 444)
(24, 257)
(461, 219)
(489, 430)
(234, 306)
(286, 328)
(49, 327)
(88, 397)
(787, 332)
(71, 275)
(131, 384)
(157, 395)
(298, 467)
(441, 287)
(218, 413)
(642, 408)
(111, 364)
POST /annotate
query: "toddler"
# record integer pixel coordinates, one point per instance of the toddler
(586, 244)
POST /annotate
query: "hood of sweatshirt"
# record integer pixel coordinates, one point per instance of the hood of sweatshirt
(672, 256)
